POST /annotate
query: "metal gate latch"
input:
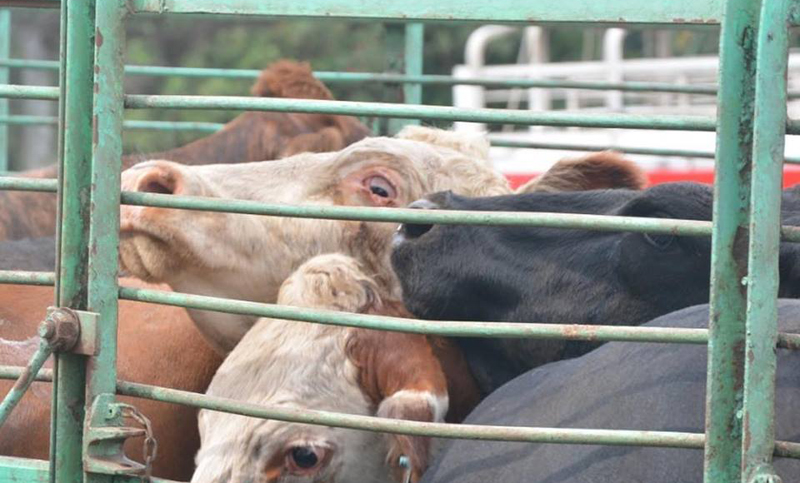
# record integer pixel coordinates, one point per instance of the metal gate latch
(106, 435)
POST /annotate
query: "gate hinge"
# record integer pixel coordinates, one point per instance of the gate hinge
(105, 436)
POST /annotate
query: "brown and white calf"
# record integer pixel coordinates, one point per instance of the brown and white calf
(248, 256)
(323, 367)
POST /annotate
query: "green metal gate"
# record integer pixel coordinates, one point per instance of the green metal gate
(746, 230)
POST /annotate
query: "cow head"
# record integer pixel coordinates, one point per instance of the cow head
(569, 276)
(309, 366)
(248, 256)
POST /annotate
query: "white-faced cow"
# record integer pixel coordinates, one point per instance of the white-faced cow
(633, 386)
(248, 256)
(549, 275)
(355, 371)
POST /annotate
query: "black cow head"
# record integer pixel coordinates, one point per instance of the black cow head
(568, 276)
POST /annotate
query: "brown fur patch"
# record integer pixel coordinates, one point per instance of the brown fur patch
(151, 338)
(290, 79)
(604, 170)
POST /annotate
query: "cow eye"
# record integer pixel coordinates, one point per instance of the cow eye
(380, 186)
(662, 242)
(305, 459)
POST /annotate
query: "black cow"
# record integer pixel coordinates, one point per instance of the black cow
(549, 275)
(635, 386)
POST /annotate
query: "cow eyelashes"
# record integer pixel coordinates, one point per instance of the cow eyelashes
(380, 186)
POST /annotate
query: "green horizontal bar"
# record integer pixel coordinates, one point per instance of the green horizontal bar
(42, 93)
(131, 124)
(386, 425)
(19, 183)
(24, 470)
(13, 372)
(683, 123)
(17, 277)
(25, 380)
(598, 333)
(666, 439)
(451, 329)
(505, 143)
(173, 126)
(213, 127)
(604, 11)
(501, 116)
(442, 217)
(498, 433)
(347, 77)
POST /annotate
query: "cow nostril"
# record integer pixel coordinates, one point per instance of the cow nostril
(413, 230)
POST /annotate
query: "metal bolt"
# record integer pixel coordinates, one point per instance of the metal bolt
(61, 329)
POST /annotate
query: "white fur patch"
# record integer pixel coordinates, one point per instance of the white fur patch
(438, 404)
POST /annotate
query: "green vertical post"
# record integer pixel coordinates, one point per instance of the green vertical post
(735, 101)
(404, 52)
(75, 164)
(107, 113)
(414, 49)
(5, 53)
(106, 168)
(769, 133)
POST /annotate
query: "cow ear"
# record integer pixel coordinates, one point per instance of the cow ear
(604, 170)
(162, 177)
(401, 374)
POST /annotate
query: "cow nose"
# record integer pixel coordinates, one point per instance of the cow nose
(410, 231)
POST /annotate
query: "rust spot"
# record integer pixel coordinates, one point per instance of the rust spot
(95, 135)
(574, 331)
(746, 435)
(98, 38)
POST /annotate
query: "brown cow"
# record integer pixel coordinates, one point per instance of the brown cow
(356, 371)
(153, 345)
(252, 136)
(596, 171)
(249, 257)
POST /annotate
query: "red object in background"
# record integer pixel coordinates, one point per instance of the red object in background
(791, 176)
